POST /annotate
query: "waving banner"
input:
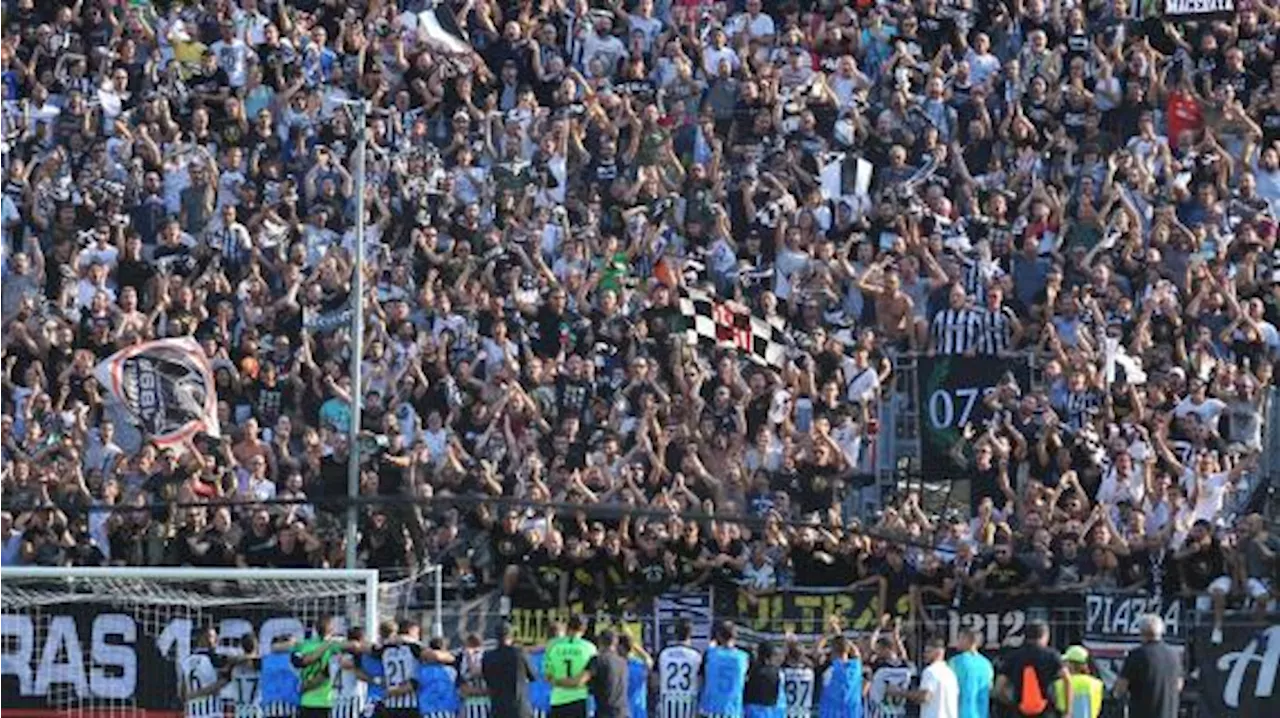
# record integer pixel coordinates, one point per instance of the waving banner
(166, 387)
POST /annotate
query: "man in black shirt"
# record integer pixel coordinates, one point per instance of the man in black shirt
(1152, 674)
(764, 679)
(1202, 564)
(1034, 657)
(607, 678)
(507, 673)
(1005, 572)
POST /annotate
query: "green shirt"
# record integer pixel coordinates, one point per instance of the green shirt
(320, 696)
(567, 658)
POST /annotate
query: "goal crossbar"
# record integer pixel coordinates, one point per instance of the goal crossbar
(103, 582)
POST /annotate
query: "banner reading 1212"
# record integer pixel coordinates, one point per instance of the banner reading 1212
(953, 393)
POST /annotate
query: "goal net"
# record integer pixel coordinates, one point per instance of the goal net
(107, 641)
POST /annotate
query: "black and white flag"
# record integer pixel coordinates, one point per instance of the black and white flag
(166, 387)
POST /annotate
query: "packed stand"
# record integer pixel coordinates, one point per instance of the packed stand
(1048, 178)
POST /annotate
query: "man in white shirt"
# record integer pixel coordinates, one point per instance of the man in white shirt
(939, 693)
(1198, 402)
(756, 24)
(717, 52)
(233, 55)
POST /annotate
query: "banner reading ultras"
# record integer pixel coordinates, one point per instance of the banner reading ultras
(166, 387)
(1199, 9)
(76, 654)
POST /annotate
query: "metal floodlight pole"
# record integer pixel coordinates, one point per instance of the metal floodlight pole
(360, 108)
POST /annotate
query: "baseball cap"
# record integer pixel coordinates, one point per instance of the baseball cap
(1076, 654)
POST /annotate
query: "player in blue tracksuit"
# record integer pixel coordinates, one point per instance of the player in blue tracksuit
(637, 676)
(842, 692)
(437, 690)
(539, 689)
(724, 676)
(280, 688)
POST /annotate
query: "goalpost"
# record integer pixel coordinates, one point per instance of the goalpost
(106, 641)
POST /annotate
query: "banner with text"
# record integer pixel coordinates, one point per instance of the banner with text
(652, 621)
(1000, 620)
(1199, 9)
(1111, 627)
(69, 655)
(1238, 676)
(804, 612)
(953, 395)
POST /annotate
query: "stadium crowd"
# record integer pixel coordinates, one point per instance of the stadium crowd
(1050, 177)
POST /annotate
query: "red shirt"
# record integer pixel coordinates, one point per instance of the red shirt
(1184, 114)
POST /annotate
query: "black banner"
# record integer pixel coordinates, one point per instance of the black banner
(1114, 616)
(953, 391)
(1001, 620)
(72, 655)
(804, 612)
(1111, 627)
(652, 622)
(1238, 676)
(1199, 9)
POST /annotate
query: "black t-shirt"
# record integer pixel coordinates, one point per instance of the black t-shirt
(548, 570)
(609, 684)
(1045, 661)
(510, 549)
(762, 686)
(1202, 567)
(1008, 575)
(1154, 673)
(258, 551)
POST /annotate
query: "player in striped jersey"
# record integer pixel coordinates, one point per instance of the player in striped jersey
(202, 676)
(679, 666)
(400, 659)
(241, 695)
(400, 664)
(798, 680)
(891, 676)
(471, 683)
(798, 690)
(350, 682)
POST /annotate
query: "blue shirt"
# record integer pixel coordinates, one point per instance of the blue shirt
(974, 675)
(725, 675)
(842, 692)
(437, 691)
(638, 688)
(540, 688)
(372, 666)
(279, 679)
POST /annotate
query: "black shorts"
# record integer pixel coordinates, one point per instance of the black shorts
(399, 713)
(310, 712)
(577, 709)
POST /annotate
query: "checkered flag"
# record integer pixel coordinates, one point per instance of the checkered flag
(711, 323)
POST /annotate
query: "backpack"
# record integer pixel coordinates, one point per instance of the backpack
(1032, 701)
